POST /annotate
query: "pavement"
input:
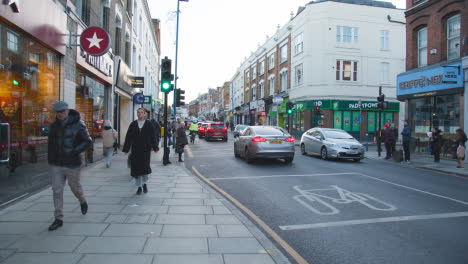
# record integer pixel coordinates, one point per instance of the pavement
(180, 220)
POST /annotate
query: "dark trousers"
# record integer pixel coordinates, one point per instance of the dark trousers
(406, 149)
(388, 148)
(436, 152)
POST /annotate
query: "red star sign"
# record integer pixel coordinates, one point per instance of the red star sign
(95, 41)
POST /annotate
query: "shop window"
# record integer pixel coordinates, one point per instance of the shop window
(453, 37)
(338, 119)
(372, 121)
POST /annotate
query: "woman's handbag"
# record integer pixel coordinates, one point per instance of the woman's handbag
(179, 149)
(461, 152)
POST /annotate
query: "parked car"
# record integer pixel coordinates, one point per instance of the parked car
(216, 130)
(264, 142)
(331, 143)
(202, 129)
(238, 129)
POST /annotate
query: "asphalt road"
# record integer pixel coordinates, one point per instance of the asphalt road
(346, 212)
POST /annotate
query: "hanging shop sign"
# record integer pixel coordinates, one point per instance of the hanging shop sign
(137, 81)
(138, 98)
(441, 79)
(95, 41)
(277, 100)
(299, 106)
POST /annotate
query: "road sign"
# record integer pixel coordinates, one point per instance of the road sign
(138, 98)
(95, 41)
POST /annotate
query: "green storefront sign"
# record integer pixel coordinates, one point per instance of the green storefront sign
(323, 104)
(365, 106)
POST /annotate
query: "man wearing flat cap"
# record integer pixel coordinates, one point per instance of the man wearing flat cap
(68, 137)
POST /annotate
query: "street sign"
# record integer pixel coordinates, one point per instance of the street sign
(137, 81)
(95, 41)
(139, 98)
(147, 99)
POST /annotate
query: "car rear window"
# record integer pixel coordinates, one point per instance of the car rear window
(217, 126)
(204, 125)
(268, 131)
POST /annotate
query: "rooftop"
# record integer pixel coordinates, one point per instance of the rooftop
(359, 2)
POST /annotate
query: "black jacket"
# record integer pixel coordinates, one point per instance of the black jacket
(140, 142)
(67, 141)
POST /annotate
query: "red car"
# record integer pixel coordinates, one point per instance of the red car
(202, 129)
(216, 131)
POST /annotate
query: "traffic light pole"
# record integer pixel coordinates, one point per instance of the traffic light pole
(176, 56)
(379, 136)
(166, 149)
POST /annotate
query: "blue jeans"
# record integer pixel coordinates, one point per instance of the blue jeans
(109, 152)
(140, 180)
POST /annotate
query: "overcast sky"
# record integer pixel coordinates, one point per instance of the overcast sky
(216, 35)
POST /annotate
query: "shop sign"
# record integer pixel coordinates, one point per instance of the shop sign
(138, 98)
(137, 81)
(123, 74)
(147, 99)
(432, 79)
(95, 41)
(364, 105)
(101, 63)
(263, 113)
(246, 109)
(277, 100)
(323, 104)
(299, 106)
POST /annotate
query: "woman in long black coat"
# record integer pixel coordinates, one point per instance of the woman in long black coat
(140, 139)
(181, 139)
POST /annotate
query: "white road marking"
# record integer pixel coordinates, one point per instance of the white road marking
(277, 176)
(375, 220)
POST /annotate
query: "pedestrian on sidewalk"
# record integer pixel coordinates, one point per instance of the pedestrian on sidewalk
(181, 139)
(460, 139)
(436, 143)
(109, 138)
(157, 131)
(68, 137)
(388, 139)
(406, 136)
(140, 139)
(395, 136)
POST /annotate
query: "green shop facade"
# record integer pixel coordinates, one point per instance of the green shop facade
(356, 117)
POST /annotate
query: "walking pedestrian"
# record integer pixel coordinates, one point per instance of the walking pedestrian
(436, 142)
(68, 137)
(181, 140)
(388, 140)
(406, 136)
(109, 137)
(460, 139)
(140, 139)
(395, 136)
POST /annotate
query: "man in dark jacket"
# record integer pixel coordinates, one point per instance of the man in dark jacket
(388, 139)
(68, 137)
(406, 136)
(140, 139)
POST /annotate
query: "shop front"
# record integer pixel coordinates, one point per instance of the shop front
(123, 107)
(435, 98)
(30, 73)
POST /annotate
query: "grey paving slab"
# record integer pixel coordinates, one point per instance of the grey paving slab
(183, 202)
(20, 206)
(51, 243)
(5, 253)
(114, 194)
(221, 210)
(190, 210)
(211, 202)
(158, 245)
(132, 230)
(88, 218)
(139, 219)
(186, 190)
(189, 231)
(22, 216)
(78, 229)
(188, 185)
(6, 240)
(90, 187)
(222, 220)
(180, 219)
(191, 195)
(233, 231)
(162, 195)
(234, 245)
(116, 218)
(145, 209)
(117, 245)
(43, 258)
(103, 200)
(142, 199)
(103, 208)
(248, 259)
(20, 228)
(49, 207)
(189, 259)
(116, 259)
(114, 188)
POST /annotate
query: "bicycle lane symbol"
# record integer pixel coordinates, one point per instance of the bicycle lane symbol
(320, 201)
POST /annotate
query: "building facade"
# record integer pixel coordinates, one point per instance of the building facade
(434, 84)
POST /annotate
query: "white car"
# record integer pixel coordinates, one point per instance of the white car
(331, 143)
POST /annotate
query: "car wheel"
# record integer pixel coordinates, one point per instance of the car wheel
(323, 153)
(247, 156)
(356, 160)
(225, 139)
(303, 149)
(235, 154)
(288, 160)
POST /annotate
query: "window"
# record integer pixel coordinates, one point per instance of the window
(453, 37)
(118, 36)
(12, 41)
(298, 44)
(271, 61)
(134, 60)
(254, 92)
(384, 39)
(129, 6)
(262, 89)
(254, 72)
(284, 80)
(135, 26)
(261, 70)
(247, 76)
(127, 49)
(422, 47)
(384, 68)
(105, 13)
(346, 34)
(346, 70)
(284, 53)
(83, 10)
(271, 84)
(50, 60)
(298, 74)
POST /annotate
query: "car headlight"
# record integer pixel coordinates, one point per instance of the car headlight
(331, 144)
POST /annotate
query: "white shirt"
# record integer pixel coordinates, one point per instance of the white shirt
(141, 123)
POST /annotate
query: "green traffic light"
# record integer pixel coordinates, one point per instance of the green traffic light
(15, 82)
(290, 111)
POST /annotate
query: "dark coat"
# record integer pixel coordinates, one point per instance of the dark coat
(388, 136)
(67, 141)
(181, 137)
(436, 140)
(157, 130)
(140, 143)
(406, 133)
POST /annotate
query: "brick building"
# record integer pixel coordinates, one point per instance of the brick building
(433, 84)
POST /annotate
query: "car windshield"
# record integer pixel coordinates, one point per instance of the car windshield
(337, 134)
(268, 131)
(217, 126)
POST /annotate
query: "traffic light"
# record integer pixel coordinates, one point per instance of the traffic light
(180, 97)
(166, 75)
(381, 102)
(317, 110)
(289, 108)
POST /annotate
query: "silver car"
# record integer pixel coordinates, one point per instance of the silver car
(331, 143)
(264, 142)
